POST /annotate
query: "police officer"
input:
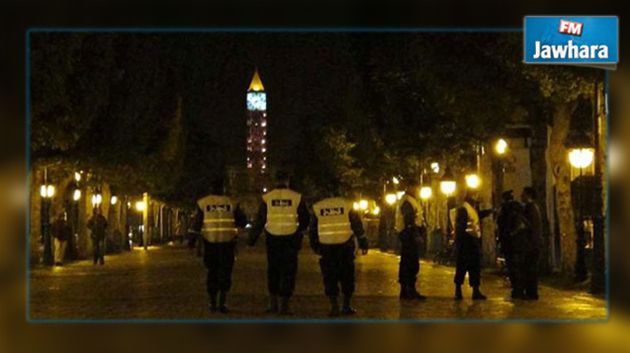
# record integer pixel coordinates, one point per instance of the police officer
(333, 228)
(509, 220)
(283, 216)
(221, 217)
(468, 245)
(408, 226)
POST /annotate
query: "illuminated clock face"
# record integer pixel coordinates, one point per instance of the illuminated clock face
(256, 101)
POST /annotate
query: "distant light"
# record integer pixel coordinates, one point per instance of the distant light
(581, 157)
(435, 167)
(448, 187)
(248, 225)
(263, 141)
(114, 199)
(263, 124)
(264, 149)
(395, 180)
(264, 189)
(42, 191)
(96, 199)
(47, 191)
(390, 199)
(141, 206)
(363, 205)
(376, 210)
(426, 192)
(128, 204)
(76, 196)
(400, 194)
(473, 181)
(501, 146)
(77, 176)
(355, 206)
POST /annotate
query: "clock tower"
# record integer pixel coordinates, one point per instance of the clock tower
(257, 133)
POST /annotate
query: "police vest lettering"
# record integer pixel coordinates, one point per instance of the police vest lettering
(399, 223)
(218, 219)
(472, 225)
(282, 206)
(333, 220)
(570, 51)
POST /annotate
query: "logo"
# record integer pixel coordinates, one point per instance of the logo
(331, 211)
(590, 40)
(570, 27)
(281, 203)
(218, 208)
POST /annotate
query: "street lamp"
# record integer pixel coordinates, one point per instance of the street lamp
(448, 187)
(46, 191)
(501, 146)
(395, 180)
(140, 206)
(97, 199)
(581, 155)
(113, 200)
(390, 199)
(363, 205)
(76, 195)
(473, 181)
(435, 167)
(425, 193)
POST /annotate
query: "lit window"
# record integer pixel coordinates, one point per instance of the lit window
(264, 166)
(263, 124)
(263, 141)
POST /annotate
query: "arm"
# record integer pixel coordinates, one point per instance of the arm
(303, 217)
(357, 229)
(314, 235)
(485, 213)
(240, 219)
(259, 224)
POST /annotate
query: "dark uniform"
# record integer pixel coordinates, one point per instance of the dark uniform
(221, 217)
(509, 221)
(284, 216)
(333, 228)
(468, 248)
(528, 251)
(408, 225)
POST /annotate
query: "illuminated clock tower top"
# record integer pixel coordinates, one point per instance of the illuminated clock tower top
(257, 132)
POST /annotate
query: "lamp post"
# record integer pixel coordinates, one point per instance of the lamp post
(581, 155)
(501, 149)
(46, 191)
(448, 185)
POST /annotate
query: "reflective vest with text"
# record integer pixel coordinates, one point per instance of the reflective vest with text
(282, 211)
(218, 219)
(333, 220)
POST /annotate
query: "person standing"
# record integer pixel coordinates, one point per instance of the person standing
(468, 246)
(222, 217)
(509, 221)
(98, 227)
(333, 229)
(532, 245)
(408, 226)
(61, 231)
(283, 216)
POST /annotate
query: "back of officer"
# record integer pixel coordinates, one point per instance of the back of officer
(333, 229)
(283, 216)
(408, 225)
(221, 217)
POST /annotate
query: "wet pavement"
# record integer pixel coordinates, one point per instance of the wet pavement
(168, 282)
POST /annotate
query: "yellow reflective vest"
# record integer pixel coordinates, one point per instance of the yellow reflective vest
(282, 211)
(472, 225)
(218, 218)
(399, 223)
(333, 220)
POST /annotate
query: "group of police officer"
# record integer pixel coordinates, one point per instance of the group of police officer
(335, 228)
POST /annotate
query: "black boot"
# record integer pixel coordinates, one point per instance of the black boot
(404, 292)
(334, 307)
(273, 304)
(414, 294)
(477, 295)
(213, 302)
(284, 306)
(347, 309)
(222, 307)
(458, 292)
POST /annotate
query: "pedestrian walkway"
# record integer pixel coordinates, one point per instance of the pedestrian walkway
(169, 283)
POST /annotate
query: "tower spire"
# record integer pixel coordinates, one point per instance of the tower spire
(256, 84)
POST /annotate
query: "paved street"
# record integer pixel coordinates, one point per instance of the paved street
(168, 283)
